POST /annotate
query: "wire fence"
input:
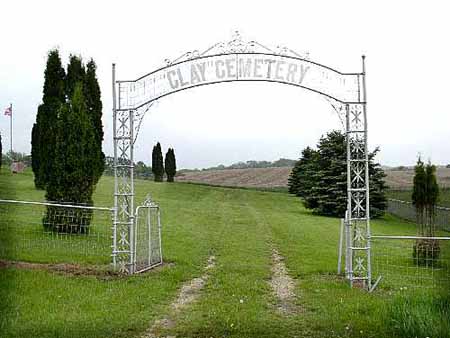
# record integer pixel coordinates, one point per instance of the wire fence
(55, 233)
(411, 262)
(406, 210)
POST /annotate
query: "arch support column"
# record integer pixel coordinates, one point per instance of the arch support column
(358, 203)
(123, 223)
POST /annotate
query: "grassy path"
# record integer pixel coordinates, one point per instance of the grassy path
(240, 228)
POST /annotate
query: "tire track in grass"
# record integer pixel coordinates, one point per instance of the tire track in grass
(188, 294)
(283, 285)
(231, 303)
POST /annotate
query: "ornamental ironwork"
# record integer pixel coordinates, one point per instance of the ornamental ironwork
(251, 61)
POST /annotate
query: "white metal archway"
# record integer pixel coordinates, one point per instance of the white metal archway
(239, 60)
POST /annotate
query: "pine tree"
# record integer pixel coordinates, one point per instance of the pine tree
(157, 163)
(170, 165)
(73, 176)
(293, 178)
(43, 140)
(300, 179)
(94, 106)
(320, 178)
(330, 184)
(378, 186)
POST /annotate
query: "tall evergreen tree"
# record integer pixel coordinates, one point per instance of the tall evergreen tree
(425, 196)
(377, 186)
(43, 135)
(73, 176)
(320, 178)
(330, 185)
(432, 195)
(419, 195)
(94, 107)
(75, 73)
(36, 149)
(302, 178)
(170, 165)
(157, 163)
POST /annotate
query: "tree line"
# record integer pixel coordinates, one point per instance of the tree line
(319, 178)
(161, 166)
(282, 162)
(66, 140)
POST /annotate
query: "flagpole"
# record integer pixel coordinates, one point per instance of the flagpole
(10, 130)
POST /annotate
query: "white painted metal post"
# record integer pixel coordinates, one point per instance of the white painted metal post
(349, 197)
(149, 231)
(366, 150)
(348, 252)
(116, 207)
(159, 232)
(341, 235)
(131, 216)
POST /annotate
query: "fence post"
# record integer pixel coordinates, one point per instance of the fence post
(341, 235)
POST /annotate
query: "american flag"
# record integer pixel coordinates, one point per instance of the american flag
(8, 111)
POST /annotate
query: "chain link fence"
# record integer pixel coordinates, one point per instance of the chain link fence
(55, 233)
(406, 210)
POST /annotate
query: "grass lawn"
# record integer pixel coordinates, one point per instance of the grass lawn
(240, 227)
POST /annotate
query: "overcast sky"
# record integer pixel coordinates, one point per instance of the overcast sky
(406, 43)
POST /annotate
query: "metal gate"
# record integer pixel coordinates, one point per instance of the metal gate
(147, 232)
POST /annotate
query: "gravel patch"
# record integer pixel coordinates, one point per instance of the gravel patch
(283, 285)
(188, 294)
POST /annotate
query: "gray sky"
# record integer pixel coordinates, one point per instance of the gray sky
(406, 43)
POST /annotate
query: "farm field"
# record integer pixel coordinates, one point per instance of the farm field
(271, 178)
(240, 228)
(403, 179)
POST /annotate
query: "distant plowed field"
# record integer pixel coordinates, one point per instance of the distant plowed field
(403, 179)
(278, 177)
(253, 178)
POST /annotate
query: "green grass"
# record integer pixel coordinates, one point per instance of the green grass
(239, 227)
(22, 237)
(405, 195)
(421, 315)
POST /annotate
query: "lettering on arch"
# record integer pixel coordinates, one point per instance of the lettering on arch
(212, 69)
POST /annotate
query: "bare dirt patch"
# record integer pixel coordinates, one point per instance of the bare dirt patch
(283, 285)
(63, 268)
(188, 294)
(99, 271)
